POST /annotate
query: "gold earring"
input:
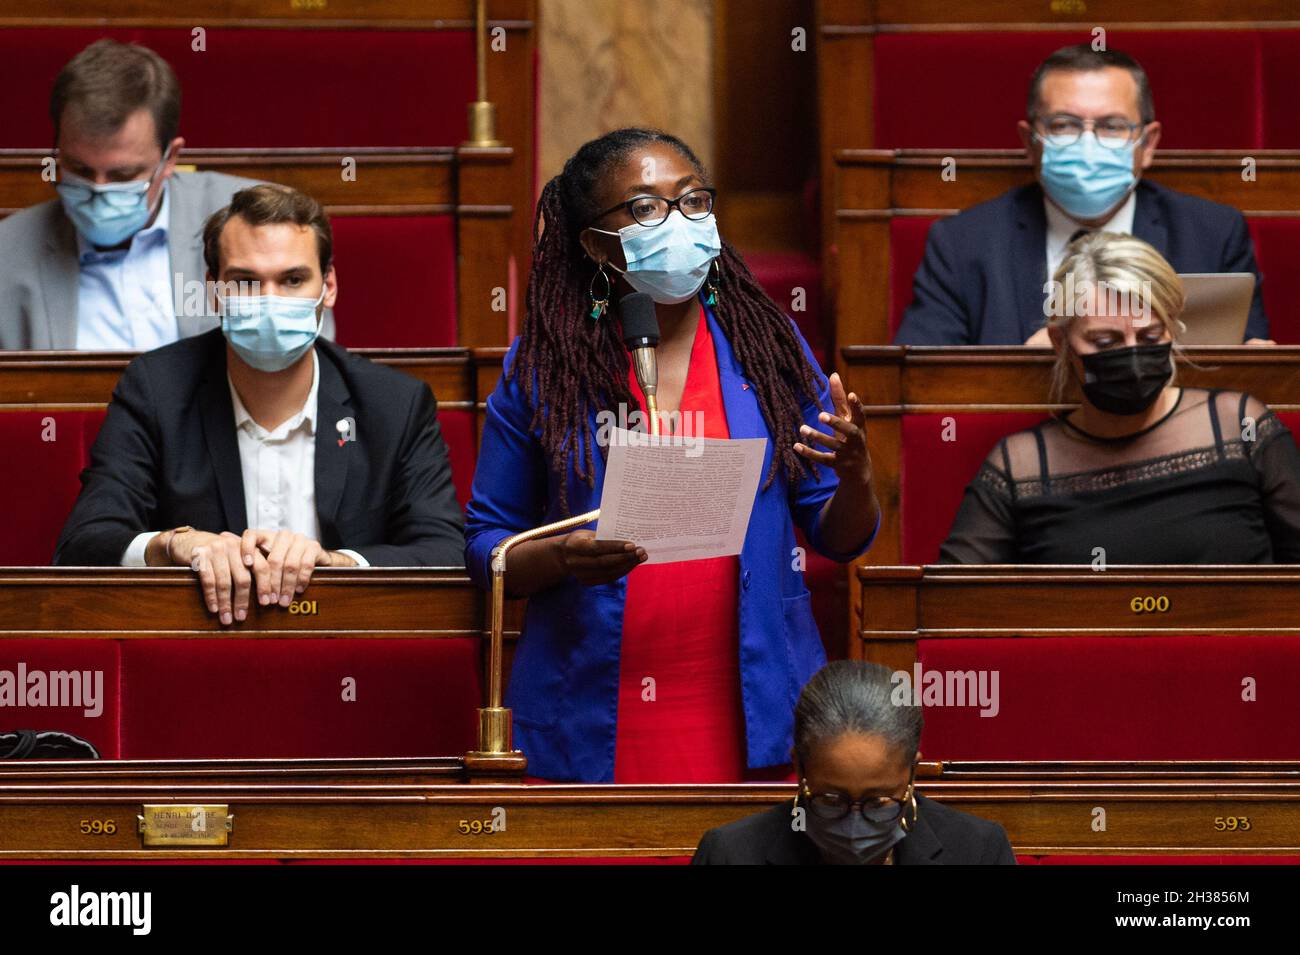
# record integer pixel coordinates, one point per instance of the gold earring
(599, 305)
(712, 282)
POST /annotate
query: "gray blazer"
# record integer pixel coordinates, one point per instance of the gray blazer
(39, 268)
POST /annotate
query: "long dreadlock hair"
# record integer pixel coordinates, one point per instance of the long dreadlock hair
(577, 366)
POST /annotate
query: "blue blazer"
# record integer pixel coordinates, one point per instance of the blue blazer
(981, 281)
(564, 681)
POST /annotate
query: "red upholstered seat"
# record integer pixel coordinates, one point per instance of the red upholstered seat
(782, 274)
(1280, 77)
(100, 657)
(1084, 698)
(232, 697)
(44, 454)
(907, 235)
(271, 87)
(935, 472)
(918, 76)
(458, 431)
(1277, 250)
(397, 281)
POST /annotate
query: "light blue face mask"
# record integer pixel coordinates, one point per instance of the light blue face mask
(669, 261)
(110, 214)
(270, 332)
(1085, 178)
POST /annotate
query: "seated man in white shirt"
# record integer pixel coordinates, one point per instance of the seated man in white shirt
(115, 262)
(257, 452)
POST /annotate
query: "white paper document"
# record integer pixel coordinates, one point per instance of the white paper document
(679, 502)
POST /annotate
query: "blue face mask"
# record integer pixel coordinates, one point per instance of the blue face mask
(110, 214)
(670, 261)
(1085, 178)
(853, 840)
(270, 332)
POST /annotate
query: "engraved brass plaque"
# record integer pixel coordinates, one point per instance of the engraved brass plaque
(173, 824)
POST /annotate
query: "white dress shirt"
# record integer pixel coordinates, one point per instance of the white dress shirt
(279, 470)
(1060, 227)
(124, 296)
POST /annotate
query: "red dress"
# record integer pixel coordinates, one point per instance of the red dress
(681, 631)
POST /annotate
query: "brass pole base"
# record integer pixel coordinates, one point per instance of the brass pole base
(494, 730)
(482, 125)
(494, 757)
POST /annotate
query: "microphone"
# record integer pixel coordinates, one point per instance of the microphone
(641, 336)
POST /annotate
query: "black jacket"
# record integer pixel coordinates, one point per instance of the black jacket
(167, 454)
(941, 836)
(981, 281)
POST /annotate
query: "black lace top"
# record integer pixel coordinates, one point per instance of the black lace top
(1216, 481)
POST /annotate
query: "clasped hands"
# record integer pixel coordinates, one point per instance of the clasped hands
(278, 563)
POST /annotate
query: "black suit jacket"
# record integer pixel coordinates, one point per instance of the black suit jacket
(167, 454)
(941, 836)
(981, 281)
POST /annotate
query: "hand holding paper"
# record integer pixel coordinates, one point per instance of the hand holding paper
(679, 502)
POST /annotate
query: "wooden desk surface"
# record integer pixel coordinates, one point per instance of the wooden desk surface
(129, 603)
(900, 605)
(408, 808)
(85, 380)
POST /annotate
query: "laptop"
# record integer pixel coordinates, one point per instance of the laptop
(1217, 307)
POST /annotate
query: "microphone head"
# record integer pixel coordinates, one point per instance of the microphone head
(640, 325)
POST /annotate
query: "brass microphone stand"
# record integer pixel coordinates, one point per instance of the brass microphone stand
(495, 753)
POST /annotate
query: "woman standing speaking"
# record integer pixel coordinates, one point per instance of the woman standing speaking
(678, 672)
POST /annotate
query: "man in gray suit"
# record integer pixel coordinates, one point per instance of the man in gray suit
(116, 262)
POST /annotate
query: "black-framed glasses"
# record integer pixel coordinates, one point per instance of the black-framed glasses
(879, 809)
(651, 210)
(1065, 129)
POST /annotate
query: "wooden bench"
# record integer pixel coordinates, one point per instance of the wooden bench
(370, 809)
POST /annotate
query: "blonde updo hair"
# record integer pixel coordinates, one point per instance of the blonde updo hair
(1129, 267)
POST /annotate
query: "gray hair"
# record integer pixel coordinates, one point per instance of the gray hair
(852, 696)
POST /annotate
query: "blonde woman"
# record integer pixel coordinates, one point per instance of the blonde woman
(1151, 472)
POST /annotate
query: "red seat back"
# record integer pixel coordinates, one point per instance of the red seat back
(917, 74)
(1277, 251)
(1107, 697)
(227, 697)
(45, 452)
(397, 281)
(907, 235)
(941, 453)
(57, 661)
(251, 88)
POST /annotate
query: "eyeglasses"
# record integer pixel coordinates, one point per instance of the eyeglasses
(118, 195)
(653, 210)
(879, 809)
(1064, 129)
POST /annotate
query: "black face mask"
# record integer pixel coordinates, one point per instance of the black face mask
(1126, 381)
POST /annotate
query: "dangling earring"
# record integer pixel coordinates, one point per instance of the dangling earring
(598, 305)
(905, 822)
(712, 282)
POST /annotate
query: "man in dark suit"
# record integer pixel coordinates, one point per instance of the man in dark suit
(855, 751)
(258, 451)
(1091, 133)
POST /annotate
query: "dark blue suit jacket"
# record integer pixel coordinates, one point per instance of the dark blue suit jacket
(981, 281)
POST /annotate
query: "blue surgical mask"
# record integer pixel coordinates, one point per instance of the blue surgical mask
(669, 261)
(1085, 178)
(270, 332)
(110, 214)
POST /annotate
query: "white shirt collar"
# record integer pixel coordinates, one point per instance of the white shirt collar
(159, 229)
(1060, 227)
(307, 414)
